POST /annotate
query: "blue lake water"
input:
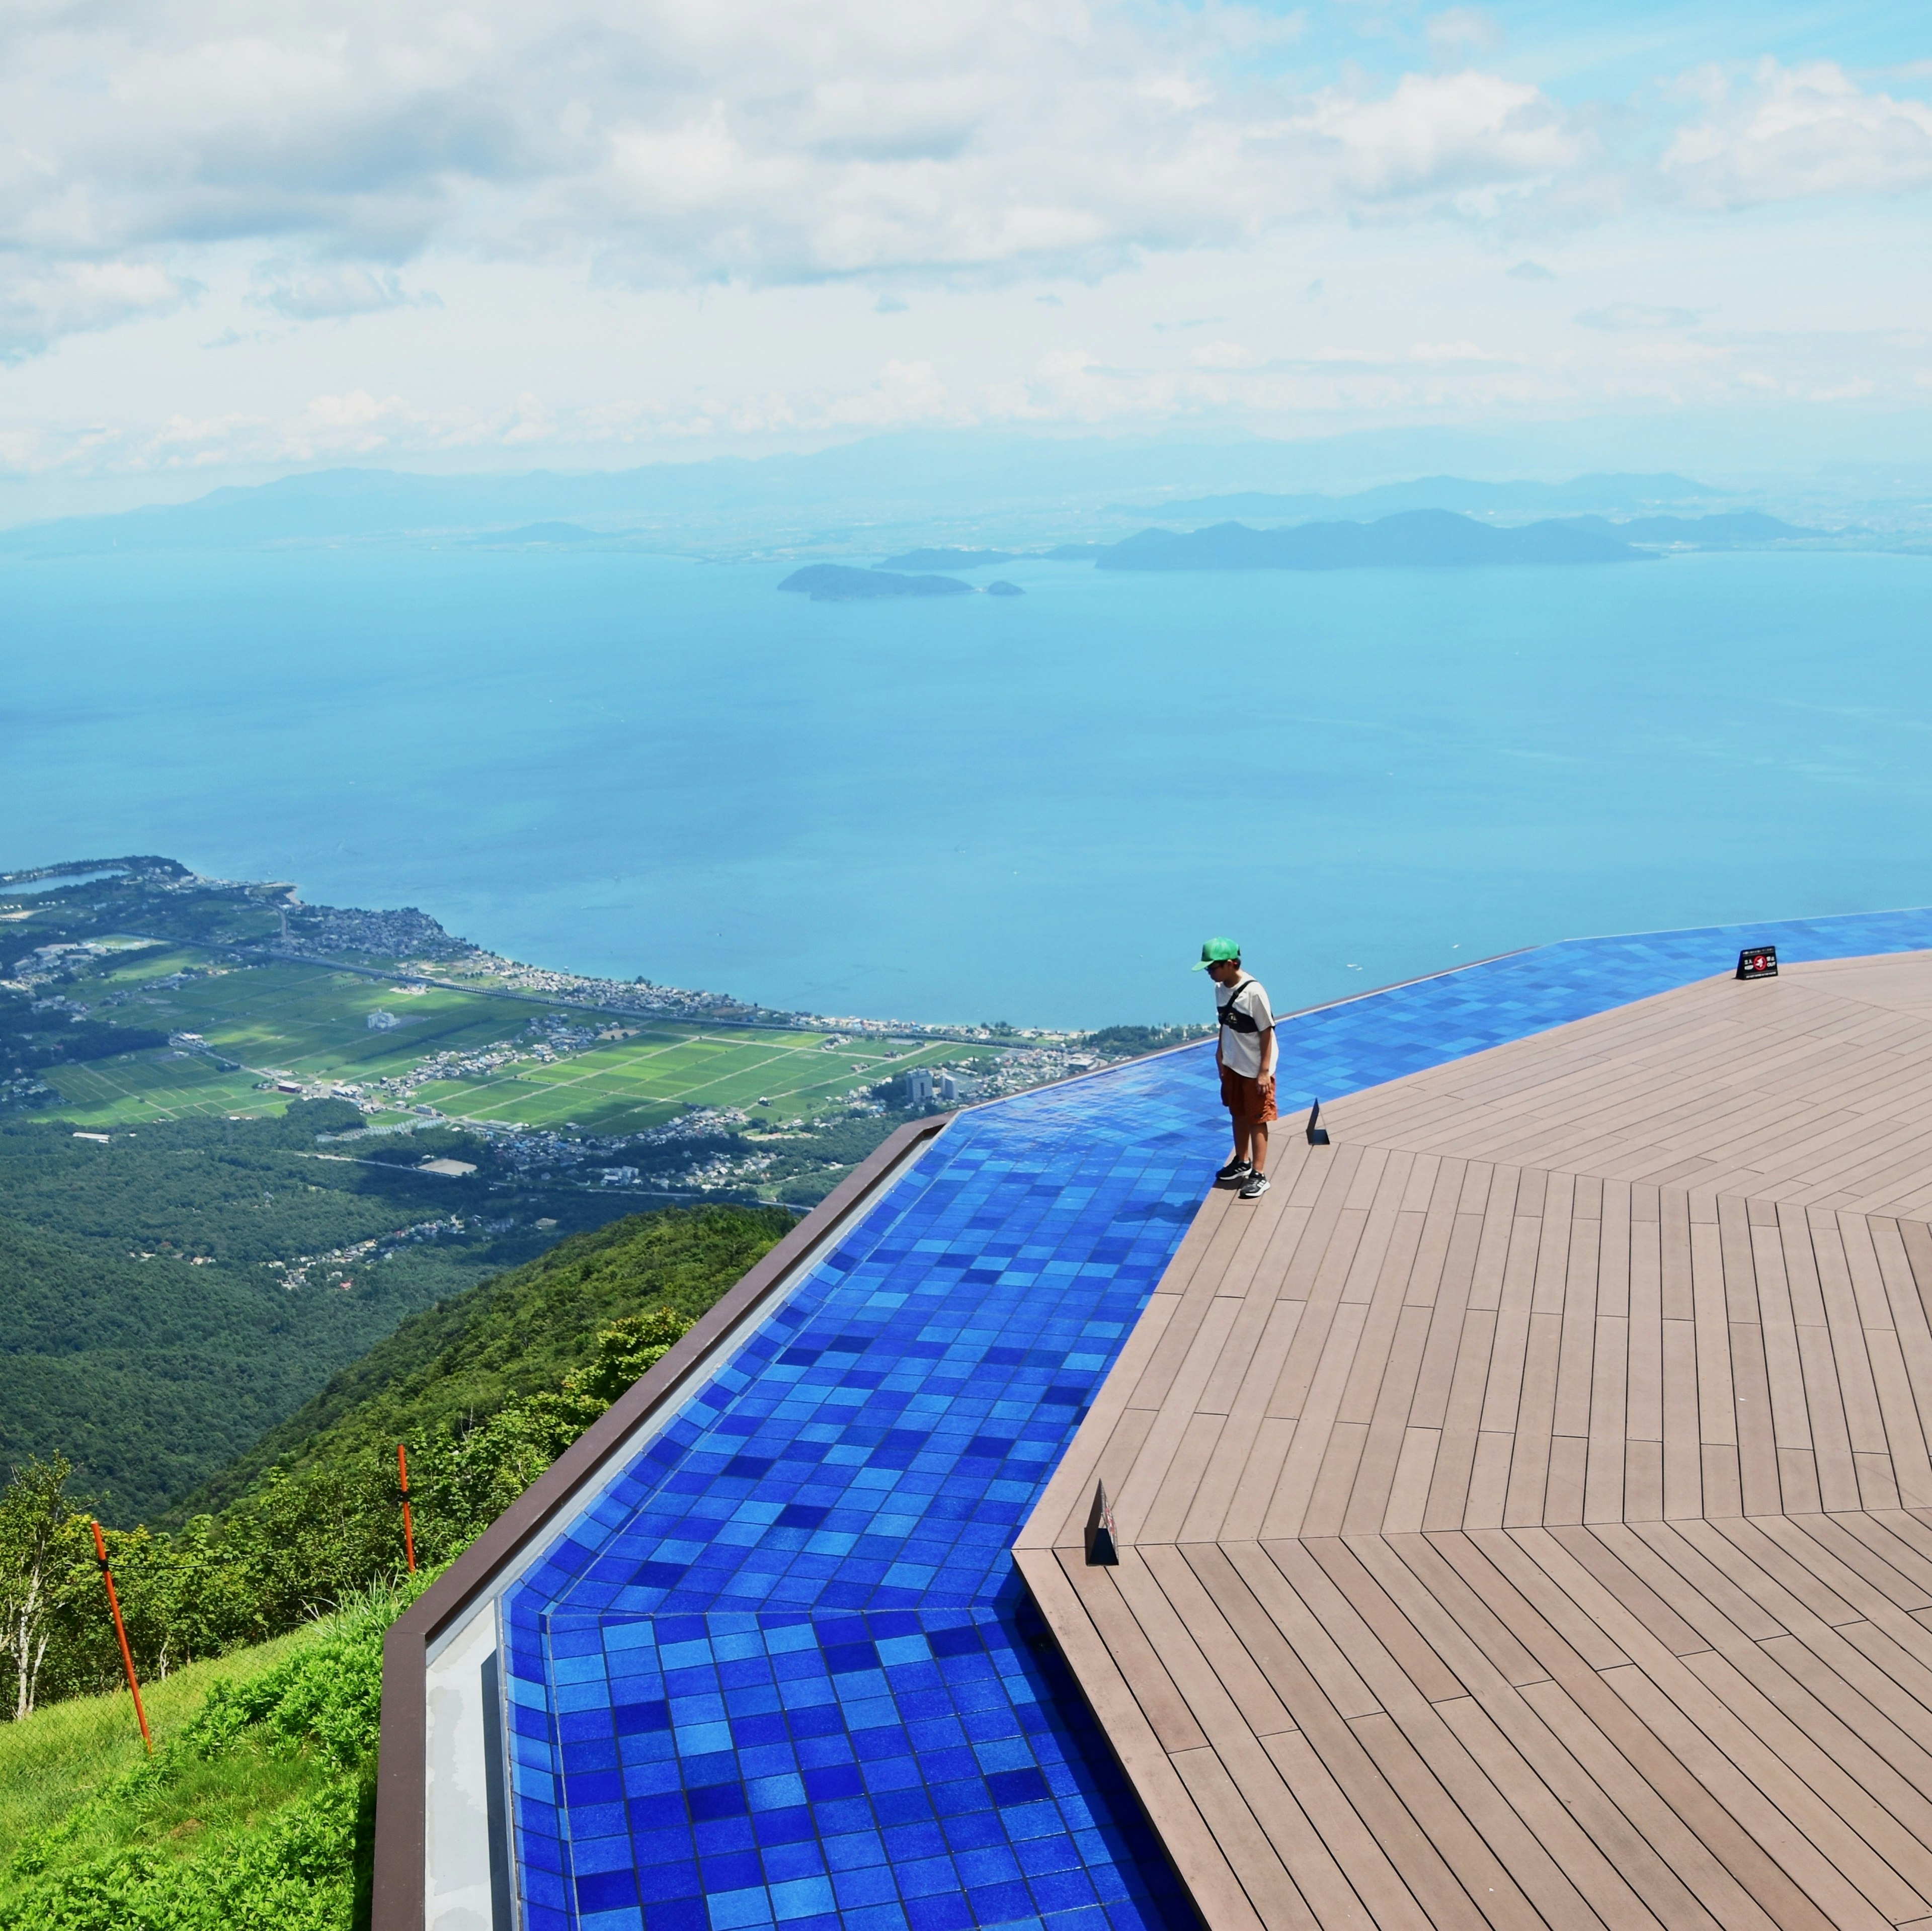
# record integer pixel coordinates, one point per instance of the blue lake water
(1030, 808)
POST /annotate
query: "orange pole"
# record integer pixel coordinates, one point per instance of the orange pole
(120, 1630)
(409, 1527)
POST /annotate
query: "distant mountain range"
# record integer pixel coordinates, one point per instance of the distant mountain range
(1734, 529)
(1417, 538)
(1440, 538)
(735, 506)
(1603, 492)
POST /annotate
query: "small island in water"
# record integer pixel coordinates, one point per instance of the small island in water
(839, 583)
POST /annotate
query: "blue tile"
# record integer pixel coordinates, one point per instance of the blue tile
(791, 1628)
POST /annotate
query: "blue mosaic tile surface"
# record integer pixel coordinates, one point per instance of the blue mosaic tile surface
(781, 1671)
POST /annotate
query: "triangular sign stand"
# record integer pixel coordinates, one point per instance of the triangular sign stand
(1100, 1550)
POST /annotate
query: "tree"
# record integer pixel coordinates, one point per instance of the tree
(43, 1554)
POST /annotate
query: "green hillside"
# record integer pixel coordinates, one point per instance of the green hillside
(516, 1334)
(166, 1296)
(486, 1388)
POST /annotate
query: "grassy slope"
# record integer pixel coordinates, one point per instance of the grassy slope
(517, 1333)
(62, 1754)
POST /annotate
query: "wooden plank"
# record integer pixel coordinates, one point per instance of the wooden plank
(1450, 1298)
(1260, 1310)
(1424, 1892)
(1431, 1592)
(1788, 1588)
(1863, 1418)
(1407, 1735)
(1161, 1703)
(1683, 1448)
(1784, 1373)
(1678, 1545)
(1449, 1485)
(1775, 1806)
(1312, 1652)
(1834, 1696)
(1857, 1554)
(1717, 1393)
(1686, 1883)
(1204, 1867)
(1327, 1382)
(1193, 1346)
(1449, 1830)
(1792, 1826)
(1266, 1885)
(1560, 1843)
(1571, 1413)
(1887, 1813)
(1180, 1481)
(1388, 1431)
(1904, 1542)
(1181, 1643)
(1529, 1456)
(1603, 1479)
(1360, 1614)
(1414, 1475)
(1326, 1732)
(1623, 1753)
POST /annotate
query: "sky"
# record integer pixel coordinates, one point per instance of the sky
(237, 240)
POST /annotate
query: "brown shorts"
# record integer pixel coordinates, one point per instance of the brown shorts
(1250, 1101)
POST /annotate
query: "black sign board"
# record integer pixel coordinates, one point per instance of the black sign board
(1758, 962)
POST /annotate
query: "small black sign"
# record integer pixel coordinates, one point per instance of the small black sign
(1758, 962)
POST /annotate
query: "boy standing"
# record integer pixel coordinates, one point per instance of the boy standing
(1246, 1057)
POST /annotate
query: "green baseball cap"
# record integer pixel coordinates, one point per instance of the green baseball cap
(1215, 951)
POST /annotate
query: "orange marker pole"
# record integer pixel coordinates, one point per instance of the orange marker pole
(409, 1527)
(120, 1630)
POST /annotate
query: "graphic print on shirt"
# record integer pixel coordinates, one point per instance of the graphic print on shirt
(1246, 1019)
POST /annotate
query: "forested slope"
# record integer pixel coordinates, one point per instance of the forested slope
(458, 1363)
(487, 1390)
(166, 1296)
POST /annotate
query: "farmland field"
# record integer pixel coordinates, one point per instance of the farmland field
(632, 1086)
(310, 1024)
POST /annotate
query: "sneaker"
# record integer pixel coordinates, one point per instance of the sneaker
(1257, 1185)
(1233, 1172)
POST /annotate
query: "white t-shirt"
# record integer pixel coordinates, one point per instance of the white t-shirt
(1241, 1045)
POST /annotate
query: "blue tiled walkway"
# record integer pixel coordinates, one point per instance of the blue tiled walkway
(780, 1672)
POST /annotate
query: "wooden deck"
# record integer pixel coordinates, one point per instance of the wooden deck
(1525, 1509)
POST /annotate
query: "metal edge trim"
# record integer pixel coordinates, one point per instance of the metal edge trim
(397, 1897)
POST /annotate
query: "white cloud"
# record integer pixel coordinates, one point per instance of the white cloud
(643, 214)
(340, 290)
(1788, 132)
(45, 300)
(765, 141)
(779, 142)
(1456, 138)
